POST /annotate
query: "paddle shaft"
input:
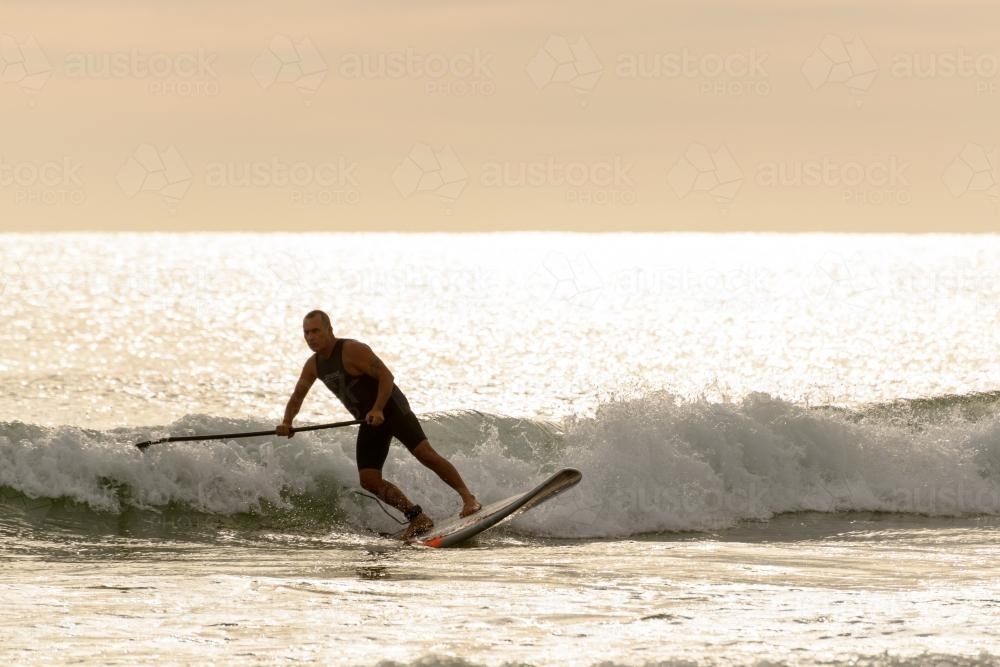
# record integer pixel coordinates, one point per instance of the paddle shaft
(249, 434)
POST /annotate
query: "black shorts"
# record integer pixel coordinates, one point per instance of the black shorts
(373, 441)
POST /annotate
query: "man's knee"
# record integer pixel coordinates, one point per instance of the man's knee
(425, 453)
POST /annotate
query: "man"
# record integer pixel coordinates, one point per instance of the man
(367, 389)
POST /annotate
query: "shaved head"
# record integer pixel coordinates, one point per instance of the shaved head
(323, 317)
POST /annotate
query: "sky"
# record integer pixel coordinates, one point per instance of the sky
(864, 116)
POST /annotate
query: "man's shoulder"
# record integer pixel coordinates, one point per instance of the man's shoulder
(352, 344)
(311, 364)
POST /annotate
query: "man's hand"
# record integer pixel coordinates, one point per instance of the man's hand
(284, 430)
(374, 417)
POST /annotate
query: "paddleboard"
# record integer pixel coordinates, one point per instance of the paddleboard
(457, 529)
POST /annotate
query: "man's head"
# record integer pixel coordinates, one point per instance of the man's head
(317, 330)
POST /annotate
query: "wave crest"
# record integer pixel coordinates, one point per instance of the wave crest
(651, 463)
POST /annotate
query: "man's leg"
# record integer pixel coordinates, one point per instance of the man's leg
(448, 474)
(371, 451)
(371, 480)
(389, 493)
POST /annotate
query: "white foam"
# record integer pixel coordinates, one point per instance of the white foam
(657, 464)
(649, 464)
(217, 477)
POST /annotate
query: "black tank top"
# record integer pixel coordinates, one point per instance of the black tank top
(356, 392)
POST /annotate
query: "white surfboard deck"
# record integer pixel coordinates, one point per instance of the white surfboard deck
(456, 530)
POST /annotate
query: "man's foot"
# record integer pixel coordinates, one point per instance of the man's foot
(418, 526)
(470, 506)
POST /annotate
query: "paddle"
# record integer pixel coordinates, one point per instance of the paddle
(253, 434)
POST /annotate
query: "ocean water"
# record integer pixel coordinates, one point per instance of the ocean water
(789, 444)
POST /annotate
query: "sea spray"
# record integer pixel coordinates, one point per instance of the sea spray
(650, 463)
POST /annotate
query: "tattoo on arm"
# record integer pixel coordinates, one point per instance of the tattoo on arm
(375, 366)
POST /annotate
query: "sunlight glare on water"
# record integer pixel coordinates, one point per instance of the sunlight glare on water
(524, 324)
(788, 445)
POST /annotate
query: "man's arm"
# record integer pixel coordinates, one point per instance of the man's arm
(305, 382)
(358, 359)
